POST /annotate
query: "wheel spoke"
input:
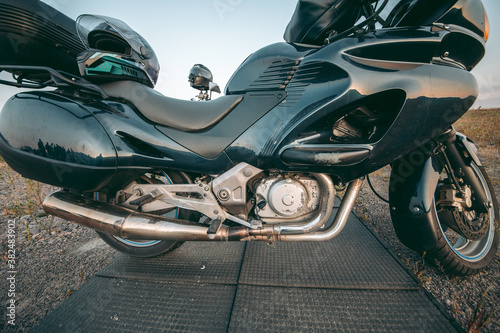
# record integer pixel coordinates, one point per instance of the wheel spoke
(461, 243)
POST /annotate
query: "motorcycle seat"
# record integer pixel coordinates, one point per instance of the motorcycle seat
(188, 116)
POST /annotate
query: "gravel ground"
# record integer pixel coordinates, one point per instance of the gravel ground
(54, 257)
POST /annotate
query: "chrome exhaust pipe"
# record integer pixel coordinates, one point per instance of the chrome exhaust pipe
(270, 233)
(339, 221)
(327, 200)
(125, 223)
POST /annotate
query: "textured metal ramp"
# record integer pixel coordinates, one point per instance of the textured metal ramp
(192, 262)
(269, 309)
(351, 283)
(122, 305)
(353, 260)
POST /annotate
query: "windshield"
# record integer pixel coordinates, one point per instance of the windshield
(414, 12)
(88, 23)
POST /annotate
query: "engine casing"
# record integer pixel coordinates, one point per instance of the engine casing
(286, 197)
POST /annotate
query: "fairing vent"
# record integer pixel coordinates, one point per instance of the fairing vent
(277, 76)
(397, 53)
(310, 73)
(139, 146)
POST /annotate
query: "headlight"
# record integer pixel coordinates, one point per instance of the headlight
(486, 26)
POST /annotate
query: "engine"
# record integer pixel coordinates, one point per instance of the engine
(286, 197)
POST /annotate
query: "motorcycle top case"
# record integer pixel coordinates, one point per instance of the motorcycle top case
(35, 34)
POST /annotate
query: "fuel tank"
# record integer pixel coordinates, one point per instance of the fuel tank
(54, 140)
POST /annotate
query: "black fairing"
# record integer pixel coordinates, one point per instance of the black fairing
(408, 99)
(411, 13)
(313, 21)
(270, 68)
(467, 14)
(86, 145)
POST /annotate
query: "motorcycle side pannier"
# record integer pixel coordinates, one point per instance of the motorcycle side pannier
(51, 139)
(35, 34)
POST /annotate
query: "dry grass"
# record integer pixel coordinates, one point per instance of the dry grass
(482, 126)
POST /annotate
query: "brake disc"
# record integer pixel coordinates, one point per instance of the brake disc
(456, 211)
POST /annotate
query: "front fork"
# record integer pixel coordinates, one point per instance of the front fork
(458, 154)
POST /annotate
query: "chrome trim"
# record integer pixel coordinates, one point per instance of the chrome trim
(332, 147)
(327, 198)
(338, 223)
(385, 64)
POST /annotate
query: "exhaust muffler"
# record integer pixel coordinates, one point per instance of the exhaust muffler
(125, 223)
(129, 224)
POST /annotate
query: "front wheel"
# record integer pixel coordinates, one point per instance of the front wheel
(467, 239)
(432, 216)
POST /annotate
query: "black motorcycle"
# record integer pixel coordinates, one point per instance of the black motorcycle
(351, 91)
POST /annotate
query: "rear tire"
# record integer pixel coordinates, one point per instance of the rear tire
(456, 254)
(151, 248)
(140, 249)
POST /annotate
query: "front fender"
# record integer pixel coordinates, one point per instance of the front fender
(411, 196)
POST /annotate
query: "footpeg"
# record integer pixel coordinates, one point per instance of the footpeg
(215, 225)
(146, 198)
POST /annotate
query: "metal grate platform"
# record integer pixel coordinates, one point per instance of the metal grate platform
(192, 262)
(353, 260)
(351, 283)
(121, 305)
(270, 309)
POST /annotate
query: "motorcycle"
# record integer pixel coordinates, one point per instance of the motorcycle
(348, 93)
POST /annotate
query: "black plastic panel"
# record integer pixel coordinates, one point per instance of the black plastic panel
(468, 14)
(51, 139)
(266, 69)
(212, 143)
(463, 49)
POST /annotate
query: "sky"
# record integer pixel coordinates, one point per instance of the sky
(221, 33)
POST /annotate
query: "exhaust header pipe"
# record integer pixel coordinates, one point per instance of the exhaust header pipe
(125, 223)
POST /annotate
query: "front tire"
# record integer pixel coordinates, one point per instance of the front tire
(456, 253)
(429, 217)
